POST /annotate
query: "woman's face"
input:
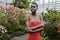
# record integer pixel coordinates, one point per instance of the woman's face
(33, 8)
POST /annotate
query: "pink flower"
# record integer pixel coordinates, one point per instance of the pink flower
(58, 24)
(11, 9)
(58, 30)
(14, 12)
(23, 9)
(19, 9)
(8, 7)
(3, 6)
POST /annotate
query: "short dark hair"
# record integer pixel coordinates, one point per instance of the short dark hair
(35, 4)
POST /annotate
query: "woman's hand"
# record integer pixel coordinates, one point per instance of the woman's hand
(38, 30)
(28, 30)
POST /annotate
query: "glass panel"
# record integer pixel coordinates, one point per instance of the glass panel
(9, 1)
(31, 0)
(41, 1)
(57, 0)
(50, 0)
(45, 1)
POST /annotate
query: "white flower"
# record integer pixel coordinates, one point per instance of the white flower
(3, 30)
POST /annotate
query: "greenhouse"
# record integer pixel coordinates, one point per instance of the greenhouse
(29, 19)
(43, 4)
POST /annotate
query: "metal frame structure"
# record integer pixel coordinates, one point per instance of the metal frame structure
(52, 4)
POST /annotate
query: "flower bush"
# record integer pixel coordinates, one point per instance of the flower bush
(51, 29)
(13, 18)
(21, 3)
(2, 29)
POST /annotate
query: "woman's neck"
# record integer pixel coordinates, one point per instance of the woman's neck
(34, 13)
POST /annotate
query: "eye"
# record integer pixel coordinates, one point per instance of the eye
(32, 6)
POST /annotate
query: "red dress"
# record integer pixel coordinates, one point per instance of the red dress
(35, 35)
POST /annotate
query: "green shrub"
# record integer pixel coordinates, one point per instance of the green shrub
(13, 20)
(50, 31)
(21, 3)
(14, 23)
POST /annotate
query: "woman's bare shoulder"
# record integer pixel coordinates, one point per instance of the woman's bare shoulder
(39, 14)
(27, 16)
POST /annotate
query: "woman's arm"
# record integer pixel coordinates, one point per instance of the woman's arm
(38, 26)
(33, 28)
(28, 29)
(38, 30)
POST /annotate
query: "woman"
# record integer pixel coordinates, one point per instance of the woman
(34, 23)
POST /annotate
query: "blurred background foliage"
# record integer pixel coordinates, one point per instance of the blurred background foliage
(21, 3)
(51, 29)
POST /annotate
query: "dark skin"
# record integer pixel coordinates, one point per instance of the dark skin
(35, 17)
